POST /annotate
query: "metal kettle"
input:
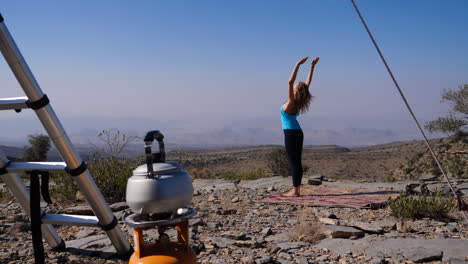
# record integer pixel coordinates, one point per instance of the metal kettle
(158, 186)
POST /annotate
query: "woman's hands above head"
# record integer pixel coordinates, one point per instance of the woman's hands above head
(302, 60)
(311, 72)
(315, 61)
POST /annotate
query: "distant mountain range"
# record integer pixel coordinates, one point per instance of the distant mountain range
(12, 152)
(17, 153)
(208, 134)
(134, 150)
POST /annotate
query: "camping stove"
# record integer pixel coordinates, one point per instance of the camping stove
(164, 251)
(158, 194)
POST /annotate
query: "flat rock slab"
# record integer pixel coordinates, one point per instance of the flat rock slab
(397, 247)
(367, 227)
(291, 245)
(329, 221)
(343, 231)
(316, 177)
(79, 210)
(86, 232)
(457, 261)
(234, 235)
(116, 207)
(278, 238)
(222, 242)
(387, 225)
(314, 181)
(420, 254)
(463, 188)
(221, 184)
(97, 245)
(428, 177)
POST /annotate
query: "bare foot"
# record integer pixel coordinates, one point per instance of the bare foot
(292, 193)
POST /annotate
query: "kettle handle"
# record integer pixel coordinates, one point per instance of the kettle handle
(149, 138)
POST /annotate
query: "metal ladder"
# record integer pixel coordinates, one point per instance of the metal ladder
(73, 164)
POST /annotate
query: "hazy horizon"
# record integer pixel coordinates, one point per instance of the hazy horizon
(229, 133)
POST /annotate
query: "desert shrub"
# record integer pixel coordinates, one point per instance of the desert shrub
(115, 142)
(5, 195)
(457, 167)
(390, 178)
(420, 206)
(204, 173)
(418, 171)
(458, 115)
(277, 162)
(308, 228)
(434, 169)
(63, 188)
(408, 170)
(451, 154)
(111, 175)
(249, 175)
(462, 136)
(38, 149)
(108, 167)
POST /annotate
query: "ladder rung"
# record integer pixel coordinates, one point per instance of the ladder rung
(76, 220)
(57, 167)
(13, 103)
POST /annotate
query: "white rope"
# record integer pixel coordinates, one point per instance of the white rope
(406, 103)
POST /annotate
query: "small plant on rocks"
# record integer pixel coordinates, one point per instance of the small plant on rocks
(419, 206)
(308, 228)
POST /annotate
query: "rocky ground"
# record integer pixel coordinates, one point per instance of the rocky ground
(231, 227)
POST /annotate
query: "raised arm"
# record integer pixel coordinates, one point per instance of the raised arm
(311, 73)
(292, 79)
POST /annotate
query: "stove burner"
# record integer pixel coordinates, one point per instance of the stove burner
(169, 218)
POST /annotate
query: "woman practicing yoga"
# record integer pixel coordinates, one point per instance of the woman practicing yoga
(298, 102)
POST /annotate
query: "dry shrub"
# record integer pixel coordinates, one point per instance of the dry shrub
(63, 188)
(204, 173)
(419, 206)
(308, 228)
(5, 196)
(247, 175)
(109, 173)
(277, 162)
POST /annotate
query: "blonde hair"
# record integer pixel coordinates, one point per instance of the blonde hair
(302, 98)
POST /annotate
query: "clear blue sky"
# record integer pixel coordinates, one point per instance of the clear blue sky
(232, 59)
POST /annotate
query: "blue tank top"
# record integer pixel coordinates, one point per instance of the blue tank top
(289, 121)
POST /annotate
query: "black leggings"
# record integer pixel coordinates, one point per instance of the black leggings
(293, 140)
